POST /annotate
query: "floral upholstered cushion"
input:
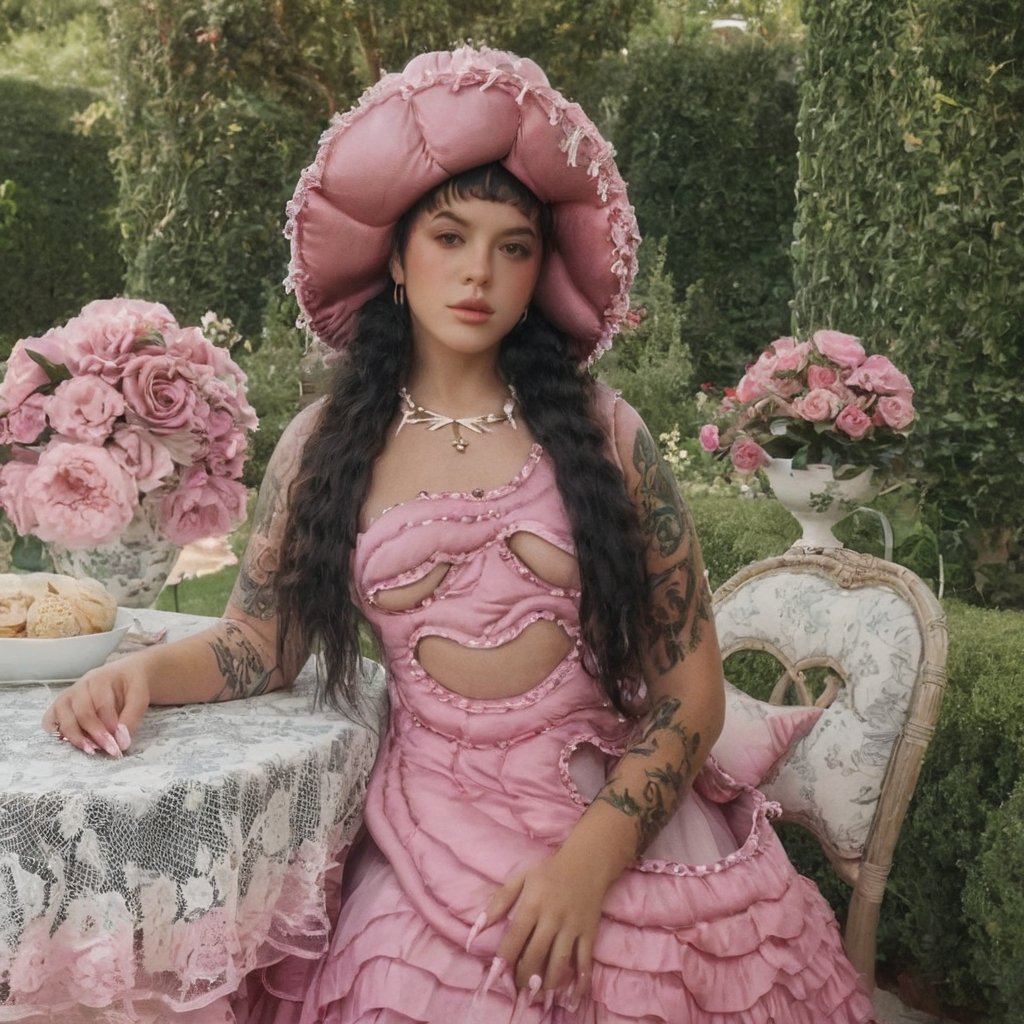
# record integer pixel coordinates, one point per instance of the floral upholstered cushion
(832, 778)
(757, 736)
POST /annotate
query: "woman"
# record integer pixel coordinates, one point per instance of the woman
(534, 848)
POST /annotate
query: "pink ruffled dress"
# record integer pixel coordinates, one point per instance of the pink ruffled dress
(713, 926)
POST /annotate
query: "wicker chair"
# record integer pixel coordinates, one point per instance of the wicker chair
(872, 638)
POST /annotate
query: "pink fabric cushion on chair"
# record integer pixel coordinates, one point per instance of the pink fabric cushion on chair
(758, 736)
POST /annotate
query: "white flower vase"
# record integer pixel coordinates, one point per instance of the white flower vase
(133, 568)
(817, 500)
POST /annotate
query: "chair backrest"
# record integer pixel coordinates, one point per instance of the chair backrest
(878, 635)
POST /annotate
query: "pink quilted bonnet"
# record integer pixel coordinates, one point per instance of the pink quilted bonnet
(444, 114)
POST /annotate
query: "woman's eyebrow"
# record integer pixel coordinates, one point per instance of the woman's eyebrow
(525, 229)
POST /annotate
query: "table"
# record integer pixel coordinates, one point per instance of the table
(145, 889)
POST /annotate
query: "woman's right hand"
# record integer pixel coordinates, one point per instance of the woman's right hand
(102, 710)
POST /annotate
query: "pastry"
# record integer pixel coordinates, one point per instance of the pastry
(42, 604)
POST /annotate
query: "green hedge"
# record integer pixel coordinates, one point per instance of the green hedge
(59, 242)
(954, 908)
(910, 233)
(705, 133)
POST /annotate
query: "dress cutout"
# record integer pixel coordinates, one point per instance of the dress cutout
(712, 926)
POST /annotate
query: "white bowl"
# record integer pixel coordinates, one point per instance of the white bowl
(63, 659)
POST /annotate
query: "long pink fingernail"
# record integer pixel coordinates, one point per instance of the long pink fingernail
(475, 930)
(498, 966)
(549, 1000)
(109, 744)
(522, 1002)
(123, 736)
(89, 748)
(533, 987)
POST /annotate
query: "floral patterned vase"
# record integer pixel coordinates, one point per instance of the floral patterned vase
(817, 500)
(133, 568)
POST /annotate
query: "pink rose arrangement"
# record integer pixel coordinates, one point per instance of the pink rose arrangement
(819, 401)
(122, 408)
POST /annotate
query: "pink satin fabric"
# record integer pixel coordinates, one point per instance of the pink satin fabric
(713, 926)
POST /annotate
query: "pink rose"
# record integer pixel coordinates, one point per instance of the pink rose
(84, 409)
(791, 354)
(109, 332)
(817, 405)
(748, 455)
(202, 506)
(82, 495)
(193, 346)
(821, 376)
(144, 313)
(143, 456)
(877, 374)
(842, 349)
(13, 496)
(230, 399)
(161, 391)
(23, 374)
(896, 411)
(25, 422)
(709, 437)
(853, 422)
(751, 386)
(226, 456)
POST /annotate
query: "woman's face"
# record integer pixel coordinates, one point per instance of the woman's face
(469, 270)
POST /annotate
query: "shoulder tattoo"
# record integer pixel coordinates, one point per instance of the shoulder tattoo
(678, 595)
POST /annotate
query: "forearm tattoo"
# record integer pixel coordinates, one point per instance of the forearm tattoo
(678, 605)
(666, 777)
(244, 670)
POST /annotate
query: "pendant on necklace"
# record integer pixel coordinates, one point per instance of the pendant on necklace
(416, 414)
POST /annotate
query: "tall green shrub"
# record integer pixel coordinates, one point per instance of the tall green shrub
(705, 135)
(910, 233)
(649, 362)
(219, 110)
(59, 242)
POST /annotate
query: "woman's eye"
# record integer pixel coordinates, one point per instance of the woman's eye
(448, 238)
(517, 250)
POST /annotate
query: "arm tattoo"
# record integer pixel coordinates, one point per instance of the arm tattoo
(665, 780)
(678, 605)
(245, 674)
(254, 589)
(662, 517)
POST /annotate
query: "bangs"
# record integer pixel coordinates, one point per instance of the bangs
(492, 183)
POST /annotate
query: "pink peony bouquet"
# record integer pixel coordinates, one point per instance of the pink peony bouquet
(819, 401)
(121, 409)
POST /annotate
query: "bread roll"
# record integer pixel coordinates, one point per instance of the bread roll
(66, 606)
(52, 616)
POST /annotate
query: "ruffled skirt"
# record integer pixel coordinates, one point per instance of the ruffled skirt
(714, 926)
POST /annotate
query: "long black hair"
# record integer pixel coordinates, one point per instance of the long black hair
(556, 398)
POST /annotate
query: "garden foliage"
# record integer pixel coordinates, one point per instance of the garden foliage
(705, 136)
(649, 362)
(910, 233)
(58, 235)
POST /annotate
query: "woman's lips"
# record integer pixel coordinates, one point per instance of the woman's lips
(471, 313)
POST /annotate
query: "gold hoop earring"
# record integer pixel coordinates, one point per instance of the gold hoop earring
(398, 295)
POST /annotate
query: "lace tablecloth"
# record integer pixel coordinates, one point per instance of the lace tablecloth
(147, 888)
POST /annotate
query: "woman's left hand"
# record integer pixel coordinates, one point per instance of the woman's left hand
(553, 912)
